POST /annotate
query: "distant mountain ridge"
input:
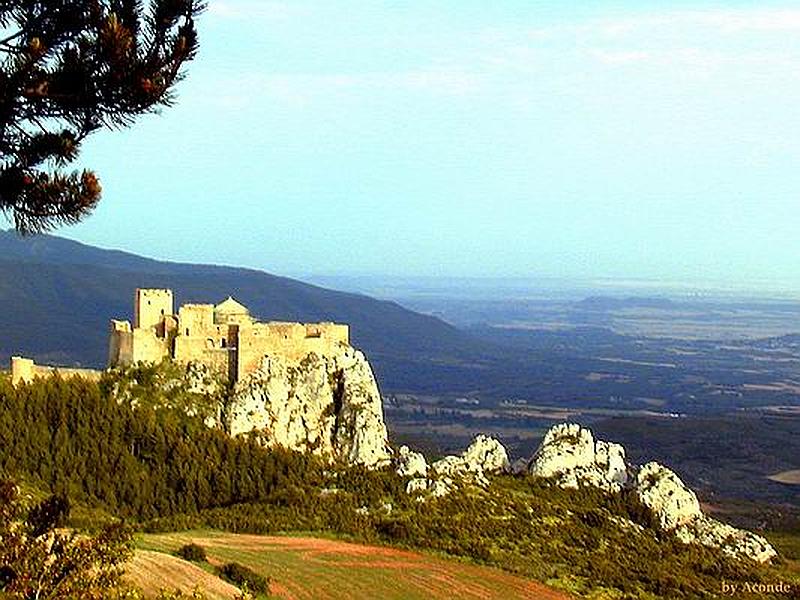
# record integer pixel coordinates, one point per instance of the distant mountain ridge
(57, 298)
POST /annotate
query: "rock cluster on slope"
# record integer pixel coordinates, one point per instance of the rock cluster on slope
(328, 405)
(410, 463)
(484, 455)
(571, 457)
(677, 509)
(570, 454)
(662, 491)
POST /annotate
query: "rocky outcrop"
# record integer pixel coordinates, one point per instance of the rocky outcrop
(484, 455)
(731, 541)
(662, 491)
(435, 488)
(410, 463)
(328, 405)
(570, 455)
(677, 509)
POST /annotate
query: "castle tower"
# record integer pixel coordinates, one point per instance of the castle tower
(152, 305)
(22, 370)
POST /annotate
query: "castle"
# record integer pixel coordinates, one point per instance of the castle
(224, 337)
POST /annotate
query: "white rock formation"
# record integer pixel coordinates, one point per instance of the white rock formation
(410, 463)
(734, 542)
(487, 454)
(570, 454)
(662, 491)
(435, 488)
(678, 510)
(417, 485)
(440, 487)
(484, 455)
(328, 405)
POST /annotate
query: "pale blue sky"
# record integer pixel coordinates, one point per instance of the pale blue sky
(618, 139)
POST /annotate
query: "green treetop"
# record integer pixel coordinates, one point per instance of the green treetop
(67, 69)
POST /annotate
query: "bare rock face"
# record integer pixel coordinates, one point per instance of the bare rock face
(678, 510)
(484, 455)
(410, 463)
(328, 405)
(662, 491)
(434, 488)
(570, 454)
(487, 454)
(417, 485)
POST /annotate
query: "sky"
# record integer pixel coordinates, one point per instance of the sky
(470, 138)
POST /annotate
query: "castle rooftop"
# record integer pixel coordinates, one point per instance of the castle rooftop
(229, 306)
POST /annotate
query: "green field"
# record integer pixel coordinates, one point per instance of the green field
(318, 568)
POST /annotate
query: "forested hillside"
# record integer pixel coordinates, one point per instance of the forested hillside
(165, 471)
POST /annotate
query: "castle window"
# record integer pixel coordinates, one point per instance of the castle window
(224, 343)
(187, 331)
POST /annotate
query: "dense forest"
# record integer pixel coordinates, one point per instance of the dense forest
(73, 438)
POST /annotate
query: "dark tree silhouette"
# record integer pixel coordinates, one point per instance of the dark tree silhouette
(67, 69)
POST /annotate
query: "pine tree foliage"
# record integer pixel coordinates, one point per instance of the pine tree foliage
(134, 460)
(68, 69)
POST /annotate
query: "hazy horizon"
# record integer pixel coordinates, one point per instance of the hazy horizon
(387, 283)
(606, 141)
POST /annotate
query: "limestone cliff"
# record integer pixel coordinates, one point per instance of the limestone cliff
(677, 509)
(326, 404)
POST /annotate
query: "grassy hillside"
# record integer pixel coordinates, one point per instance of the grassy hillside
(311, 568)
(152, 572)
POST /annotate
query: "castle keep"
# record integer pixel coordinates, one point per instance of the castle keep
(223, 337)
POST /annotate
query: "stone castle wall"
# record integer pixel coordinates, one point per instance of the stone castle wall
(151, 306)
(223, 337)
(120, 343)
(25, 370)
(291, 340)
